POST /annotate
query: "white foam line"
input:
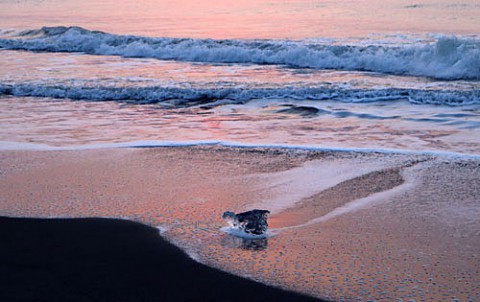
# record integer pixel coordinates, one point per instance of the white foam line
(7, 145)
(162, 229)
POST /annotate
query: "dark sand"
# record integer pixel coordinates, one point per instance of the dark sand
(98, 259)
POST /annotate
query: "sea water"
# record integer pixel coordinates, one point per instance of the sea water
(363, 74)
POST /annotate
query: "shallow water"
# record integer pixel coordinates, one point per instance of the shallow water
(344, 126)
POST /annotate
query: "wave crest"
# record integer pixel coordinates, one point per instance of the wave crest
(183, 97)
(446, 58)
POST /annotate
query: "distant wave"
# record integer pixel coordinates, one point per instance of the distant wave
(449, 58)
(183, 97)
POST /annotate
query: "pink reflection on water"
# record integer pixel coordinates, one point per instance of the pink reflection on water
(247, 18)
(67, 123)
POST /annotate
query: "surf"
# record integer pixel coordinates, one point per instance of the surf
(442, 57)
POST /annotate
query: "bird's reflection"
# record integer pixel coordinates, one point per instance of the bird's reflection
(253, 244)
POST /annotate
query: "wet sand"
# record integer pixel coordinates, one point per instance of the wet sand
(345, 226)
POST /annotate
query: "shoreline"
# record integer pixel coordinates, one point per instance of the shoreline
(380, 226)
(21, 146)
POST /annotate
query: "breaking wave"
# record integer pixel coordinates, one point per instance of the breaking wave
(449, 58)
(219, 96)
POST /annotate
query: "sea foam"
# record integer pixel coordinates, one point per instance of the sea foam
(446, 57)
(185, 97)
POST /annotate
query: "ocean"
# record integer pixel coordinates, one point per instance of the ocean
(351, 75)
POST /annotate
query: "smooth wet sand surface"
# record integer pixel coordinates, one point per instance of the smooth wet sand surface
(345, 226)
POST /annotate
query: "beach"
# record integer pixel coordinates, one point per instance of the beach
(345, 226)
